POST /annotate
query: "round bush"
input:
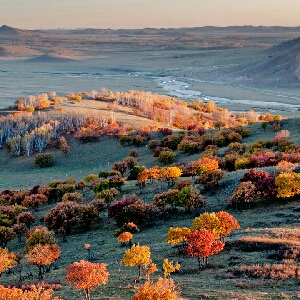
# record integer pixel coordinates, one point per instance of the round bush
(44, 160)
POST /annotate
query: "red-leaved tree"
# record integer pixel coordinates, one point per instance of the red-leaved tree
(202, 244)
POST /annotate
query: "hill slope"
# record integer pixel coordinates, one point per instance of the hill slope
(276, 66)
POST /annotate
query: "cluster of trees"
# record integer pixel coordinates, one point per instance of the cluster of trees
(256, 185)
(205, 237)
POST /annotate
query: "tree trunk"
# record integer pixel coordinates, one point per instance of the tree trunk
(40, 273)
(87, 295)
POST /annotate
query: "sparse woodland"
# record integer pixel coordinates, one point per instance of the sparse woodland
(141, 232)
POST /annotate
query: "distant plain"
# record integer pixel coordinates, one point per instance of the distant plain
(186, 63)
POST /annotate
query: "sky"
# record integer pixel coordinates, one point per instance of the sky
(50, 14)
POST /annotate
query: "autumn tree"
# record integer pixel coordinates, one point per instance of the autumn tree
(63, 217)
(63, 145)
(33, 293)
(86, 276)
(178, 236)
(169, 267)
(120, 166)
(227, 223)
(162, 289)
(125, 237)
(288, 185)
(43, 255)
(7, 260)
(170, 174)
(6, 234)
(137, 256)
(27, 218)
(39, 235)
(202, 244)
(208, 221)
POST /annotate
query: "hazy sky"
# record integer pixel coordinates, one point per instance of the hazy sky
(43, 14)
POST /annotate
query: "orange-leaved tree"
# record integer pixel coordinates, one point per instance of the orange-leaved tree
(125, 237)
(86, 276)
(43, 255)
(163, 289)
(7, 260)
(33, 293)
(137, 256)
(227, 223)
(202, 244)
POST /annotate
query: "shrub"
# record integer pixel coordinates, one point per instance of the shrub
(101, 186)
(129, 227)
(90, 177)
(86, 215)
(7, 215)
(210, 179)
(133, 153)
(164, 288)
(254, 176)
(139, 213)
(166, 156)
(108, 195)
(134, 172)
(75, 197)
(44, 160)
(99, 204)
(165, 131)
(244, 195)
(130, 162)
(63, 217)
(117, 207)
(35, 200)
(189, 197)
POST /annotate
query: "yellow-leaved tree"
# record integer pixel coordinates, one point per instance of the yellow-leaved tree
(208, 221)
(137, 256)
(178, 236)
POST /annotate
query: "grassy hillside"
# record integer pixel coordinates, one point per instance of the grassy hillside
(269, 226)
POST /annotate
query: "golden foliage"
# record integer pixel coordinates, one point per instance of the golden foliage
(163, 289)
(169, 267)
(7, 260)
(137, 256)
(208, 221)
(288, 185)
(177, 235)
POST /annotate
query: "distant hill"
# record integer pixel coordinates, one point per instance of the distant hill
(51, 58)
(275, 66)
(10, 31)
